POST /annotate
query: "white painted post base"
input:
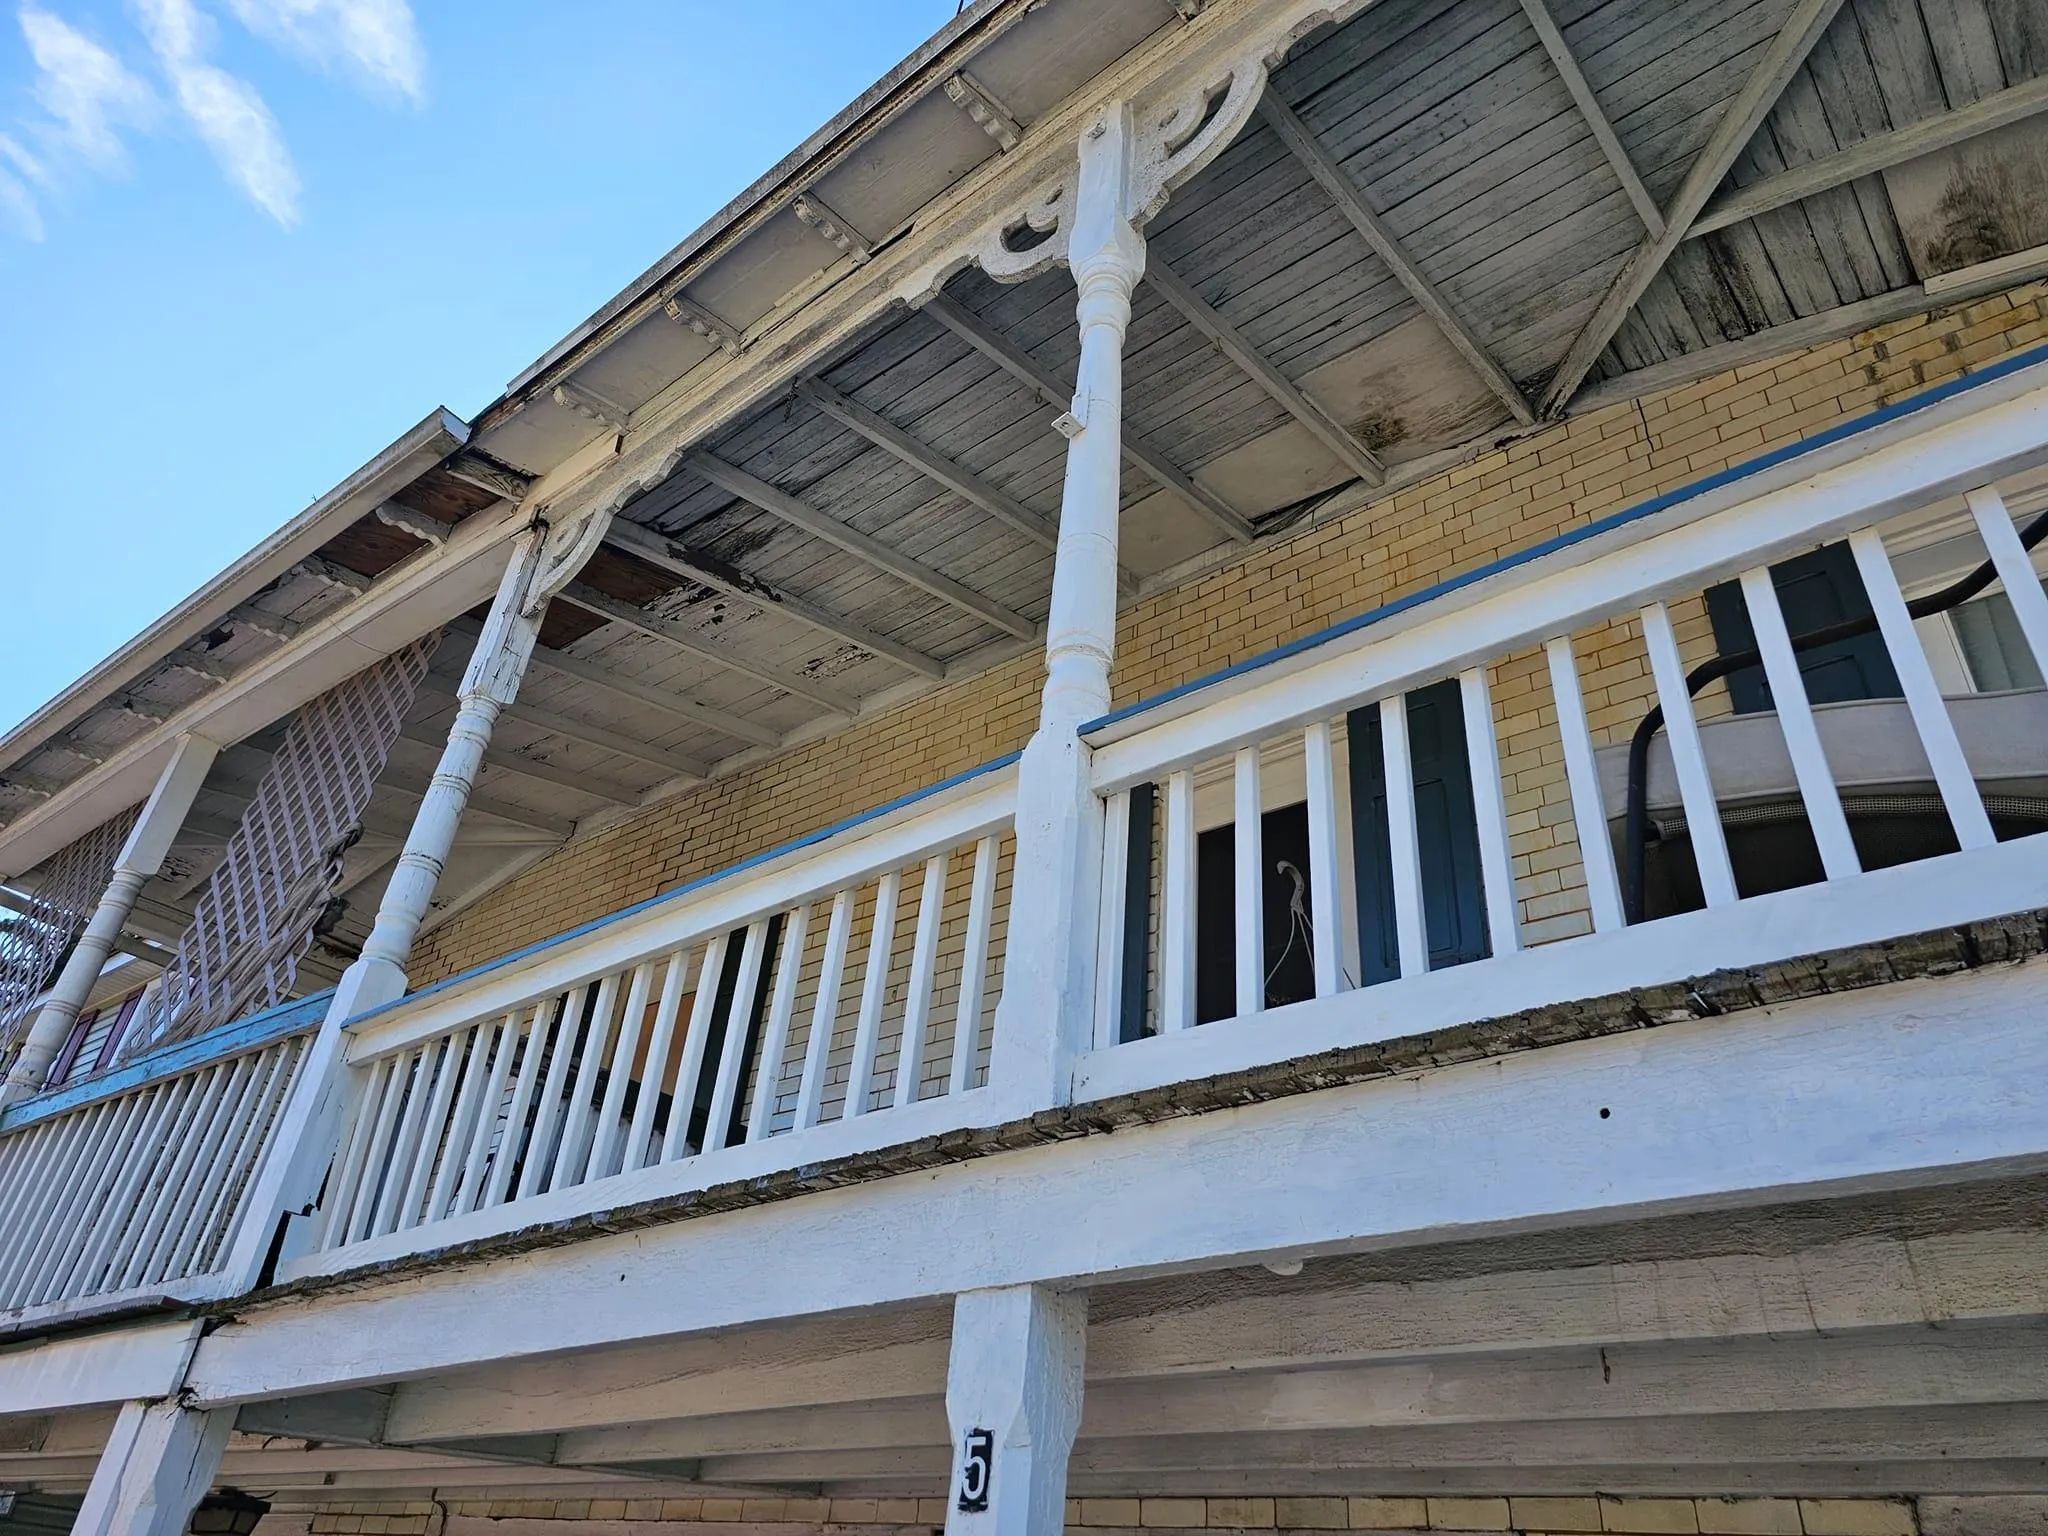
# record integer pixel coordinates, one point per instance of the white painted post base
(1013, 1398)
(157, 1466)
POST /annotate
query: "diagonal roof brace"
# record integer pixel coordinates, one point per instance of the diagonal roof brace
(1350, 201)
(1596, 117)
(1738, 124)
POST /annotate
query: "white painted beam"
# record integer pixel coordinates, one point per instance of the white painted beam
(86, 1370)
(508, 761)
(823, 525)
(1025, 368)
(1712, 1114)
(672, 763)
(1739, 121)
(1350, 201)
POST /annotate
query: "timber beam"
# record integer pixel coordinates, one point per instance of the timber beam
(1027, 370)
(1739, 122)
(1567, 65)
(688, 641)
(672, 763)
(824, 526)
(1233, 344)
(506, 761)
(1878, 153)
(679, 559)
(1336, 182)
(662, 701)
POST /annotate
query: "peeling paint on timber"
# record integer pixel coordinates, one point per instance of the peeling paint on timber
(1940, 952)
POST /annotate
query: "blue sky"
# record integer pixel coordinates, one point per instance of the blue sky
(246, 243)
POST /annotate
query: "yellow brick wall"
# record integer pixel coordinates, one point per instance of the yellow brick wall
(1497, 503)
(1548, 1516)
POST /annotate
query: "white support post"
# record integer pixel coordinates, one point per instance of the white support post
(156, 1467)
(140, 858)
(1048, 981)
(1013, 1399)
(542, 562)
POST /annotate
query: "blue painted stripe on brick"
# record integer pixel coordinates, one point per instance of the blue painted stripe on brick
(300, 1016)
(691, 888)
(1743, 471)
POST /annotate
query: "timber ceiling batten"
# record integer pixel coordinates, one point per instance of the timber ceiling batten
(256, 918)
(33, 943)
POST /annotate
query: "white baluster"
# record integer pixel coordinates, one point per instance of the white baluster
(2015, 570)
(611, 1115)
(1177, 917)
(1689, 759)
(1490, 813)
(549, 1108)
(569, 1154)
(640, 1149)
(338, 1210)
(1109, 926)
(810, 1092)
(405, 1147)
(1249, 869)
(522, 1100)
(682, 1108)
(1952, 775)
(867, 1035)
(469, 1099)
(1582, 772)
(981, 905)
(732, 1054)
(1404, 847)
(924, 962)
(1795, 718)
(796, 924)
(1325, 859)
(433, 1131)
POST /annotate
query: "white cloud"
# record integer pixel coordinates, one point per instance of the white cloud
(376, 37)
(87, 92)
(226, 110)
(19, 206)
(27, 165)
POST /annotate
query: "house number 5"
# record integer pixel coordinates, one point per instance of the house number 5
(977, 1464)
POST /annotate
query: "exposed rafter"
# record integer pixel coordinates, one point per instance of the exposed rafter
(414, 786)
(659, 700)
(1744, 115)
(1234, 345)
(1025, 368)
(687, 640)
(1877, 153)
(822, 525)
(680, 560)
(1336, 182)
(428, 530)
(421, 735)
(1596, 117)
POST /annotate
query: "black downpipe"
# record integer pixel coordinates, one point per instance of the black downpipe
(1636, 825)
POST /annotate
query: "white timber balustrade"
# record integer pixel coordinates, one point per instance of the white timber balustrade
(1335, 846)
(133, 1186)
(824, 1000)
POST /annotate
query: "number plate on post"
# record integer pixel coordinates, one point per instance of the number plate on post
(977, 1465)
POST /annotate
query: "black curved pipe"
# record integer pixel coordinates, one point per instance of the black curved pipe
(1637, 821)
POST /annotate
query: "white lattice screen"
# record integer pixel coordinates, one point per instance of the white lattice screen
(68, 886)
(255, 921)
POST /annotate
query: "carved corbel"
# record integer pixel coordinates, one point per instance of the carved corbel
(1183, 133)
(564, 551)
